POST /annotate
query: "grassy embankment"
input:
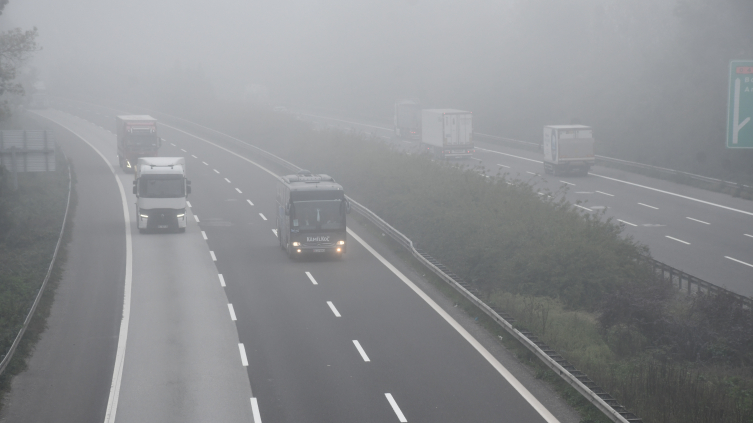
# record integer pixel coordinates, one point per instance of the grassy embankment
(570, 277)
(30, 222)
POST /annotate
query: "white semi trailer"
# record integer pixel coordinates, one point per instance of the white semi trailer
(568, 149)
(161, 190)
(447, 132)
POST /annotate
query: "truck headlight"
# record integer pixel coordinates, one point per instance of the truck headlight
(181, 216)
(144, 216)
(296, 244)
(340, 242)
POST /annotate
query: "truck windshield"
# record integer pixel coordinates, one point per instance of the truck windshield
(317, 215)
(173, 187)
(145, 139)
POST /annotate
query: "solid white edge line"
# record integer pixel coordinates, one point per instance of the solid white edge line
(242, 350)
(214, 258)
(196, 218)
(395, 408)
(249, 202)
(545, 414)
(627, 223)
(678, 240)
(361, 351)
(531, 173)
(651, 207)
(501, 165)
(222, 280)
(239, 191)
(584, 208)
(604, 193)
(505, 154)
(311, 278)
(232, 312)
(117, 373)
(255, 410)
(699, 221)
(334, 310)
(204, 234)
(676, 195)
(274, 231)
(262, 216)
(739, 261)
(748, 235)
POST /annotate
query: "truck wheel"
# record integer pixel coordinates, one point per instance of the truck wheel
(290, 252)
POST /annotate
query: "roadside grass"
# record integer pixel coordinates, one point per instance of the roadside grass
(30, 222)
(572, 278)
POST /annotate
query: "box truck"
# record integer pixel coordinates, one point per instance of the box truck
(447, 132)
(407, 119)
(568, 149)
(161, 190)
(137, 137)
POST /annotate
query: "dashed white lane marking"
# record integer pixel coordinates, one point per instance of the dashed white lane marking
(583, 192)
(228, 180)
(194, 156)
(678, 240)
(651, 207)
(274, 231)
(249, 202)
(183, 150)
(242, 350)
(262, 216)
(239, 191)
(505, 154)
(531, 173)
(255, 410)
(222, 280)
(311, 278)
(188, 203)
(216, 171)
(361, 351)
(569, 183)
(605, 193)
(501, 165)
(627, 223)
(525, 393)
(205, 163)
(232, 312)
(749, 235)
(214, 258)
(332, 307)
(699, 221)
(676, 195)
(196, 217)
(739, 261)
(172, 144)
(204, 234)
(395, 408)
(584, 208)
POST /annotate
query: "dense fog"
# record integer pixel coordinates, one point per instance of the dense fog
(649, 75)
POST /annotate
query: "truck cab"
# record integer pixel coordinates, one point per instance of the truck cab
(161, 190)
(136, 137)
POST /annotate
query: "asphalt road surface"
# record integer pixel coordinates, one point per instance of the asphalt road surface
(222, 326)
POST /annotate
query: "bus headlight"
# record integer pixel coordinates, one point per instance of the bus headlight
(181, 216)
(340, 243)
(338, 249)
(297, 244)
(299, 250)
(144, 216)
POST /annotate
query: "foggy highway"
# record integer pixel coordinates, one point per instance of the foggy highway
(706, 234)
(223, 323)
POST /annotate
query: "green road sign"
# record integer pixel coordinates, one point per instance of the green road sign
(740, 104)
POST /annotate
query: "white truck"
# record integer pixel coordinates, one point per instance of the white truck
(161, 190)
(447, 132)
(568, 148)
(407, 119)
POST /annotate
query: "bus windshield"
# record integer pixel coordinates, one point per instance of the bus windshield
(317, 215)
(162, 187)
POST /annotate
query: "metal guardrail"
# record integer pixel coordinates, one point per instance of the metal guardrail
(9, 355)
(686, 282)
